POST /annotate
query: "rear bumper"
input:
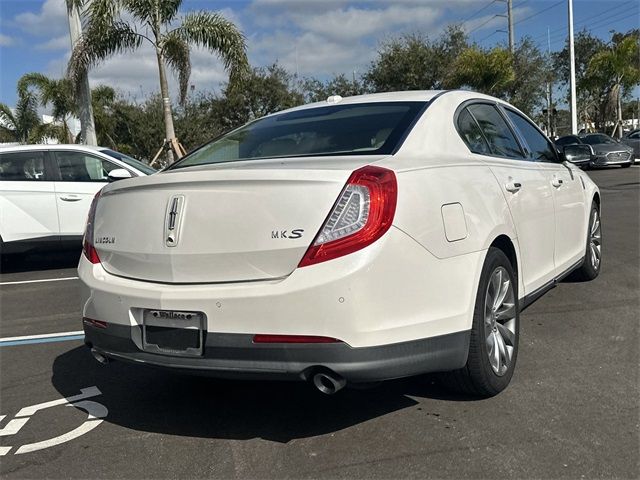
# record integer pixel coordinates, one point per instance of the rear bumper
(236, 356)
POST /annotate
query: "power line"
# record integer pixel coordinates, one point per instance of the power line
(540, 12)
(481, 25)
(584, 21)
(604, 22)
(479, 11)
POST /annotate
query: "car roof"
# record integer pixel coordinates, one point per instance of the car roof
(404, 96)
(57, 146)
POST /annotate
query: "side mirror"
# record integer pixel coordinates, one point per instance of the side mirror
(118, 174)
(577, 153)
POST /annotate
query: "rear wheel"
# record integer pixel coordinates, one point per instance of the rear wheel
(590, 268)
(626, 165)
(493, 347)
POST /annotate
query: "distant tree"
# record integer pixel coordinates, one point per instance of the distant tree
(23, 124)
(265, 90)
(531, 73)
(58, 93)
(315, 90)
(109, 32)
(413, 62)
(487, 71)
(617, 69)
(588, 94)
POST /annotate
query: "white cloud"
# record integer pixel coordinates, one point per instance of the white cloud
(357, 23)
(61, 42)
(50, 21)
(6, 41)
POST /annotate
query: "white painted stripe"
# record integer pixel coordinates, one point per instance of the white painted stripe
(4, 450)
(39, 281)
(44, 335)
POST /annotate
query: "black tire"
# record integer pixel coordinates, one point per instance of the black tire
(589, 269)
(626, 165)
(477, 377)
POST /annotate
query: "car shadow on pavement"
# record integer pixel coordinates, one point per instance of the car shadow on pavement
(153, 400)
(39, 261)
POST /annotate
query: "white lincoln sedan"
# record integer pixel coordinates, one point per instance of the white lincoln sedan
(349, 241)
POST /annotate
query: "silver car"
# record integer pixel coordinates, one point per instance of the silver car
(606, 150)
(632, 139)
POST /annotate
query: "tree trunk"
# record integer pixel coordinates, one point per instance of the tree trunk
(85, 110)
(619, 111)
(166, 104)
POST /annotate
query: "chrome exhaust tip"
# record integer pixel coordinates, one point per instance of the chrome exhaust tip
(328, 383)
(99, 356)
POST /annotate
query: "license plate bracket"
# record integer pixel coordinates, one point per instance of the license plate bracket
(173, 332)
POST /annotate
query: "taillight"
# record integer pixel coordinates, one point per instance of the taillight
(88, 248)
(363, 213)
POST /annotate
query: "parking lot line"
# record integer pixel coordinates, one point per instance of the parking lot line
(38, 281)
(42, 338)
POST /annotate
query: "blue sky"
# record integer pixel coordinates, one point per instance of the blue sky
(313, 37)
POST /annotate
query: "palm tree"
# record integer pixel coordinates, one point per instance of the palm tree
(23, 124)
(55, 92)
(154, 21)
(619, 65)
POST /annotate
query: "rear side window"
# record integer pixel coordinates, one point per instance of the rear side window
(23, 166)
(541, 148)
(496, 131)
(471, 134)
(352, 129)
(83, 167)
(568, 140)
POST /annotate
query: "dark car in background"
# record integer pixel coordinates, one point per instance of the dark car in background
(606, 150)
(632, 139)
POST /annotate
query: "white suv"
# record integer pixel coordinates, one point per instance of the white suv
(46, 191)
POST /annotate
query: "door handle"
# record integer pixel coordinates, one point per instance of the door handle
(70, 199)
(557, 182)
(513, 186)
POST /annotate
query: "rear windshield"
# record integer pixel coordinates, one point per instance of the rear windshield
(356, 129)
(132, 162)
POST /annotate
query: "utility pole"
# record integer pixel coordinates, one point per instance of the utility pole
(85, 110)
(512, 43)
(549, 90)
(572, 61)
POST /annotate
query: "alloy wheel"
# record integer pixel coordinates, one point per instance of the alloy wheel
(500, 321)
(595, 240)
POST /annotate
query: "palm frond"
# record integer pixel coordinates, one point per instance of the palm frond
(102, 13)
(79, 4)
(219, 35)
(99, 43)
(175, 51)
(7, 117)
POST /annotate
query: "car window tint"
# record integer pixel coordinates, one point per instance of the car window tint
(22, 166)
(496, 131)
(635, 135)
(568, 140)
(83, 167)
(541, 149)
(349, 129)
(471, 134)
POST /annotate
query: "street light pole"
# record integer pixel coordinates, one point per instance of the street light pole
(572, 61)
(512, 43)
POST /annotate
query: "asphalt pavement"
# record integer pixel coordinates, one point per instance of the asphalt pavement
(571, 411)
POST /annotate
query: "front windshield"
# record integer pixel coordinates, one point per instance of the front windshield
(132, 162)
(355, 129)
(597, 139)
